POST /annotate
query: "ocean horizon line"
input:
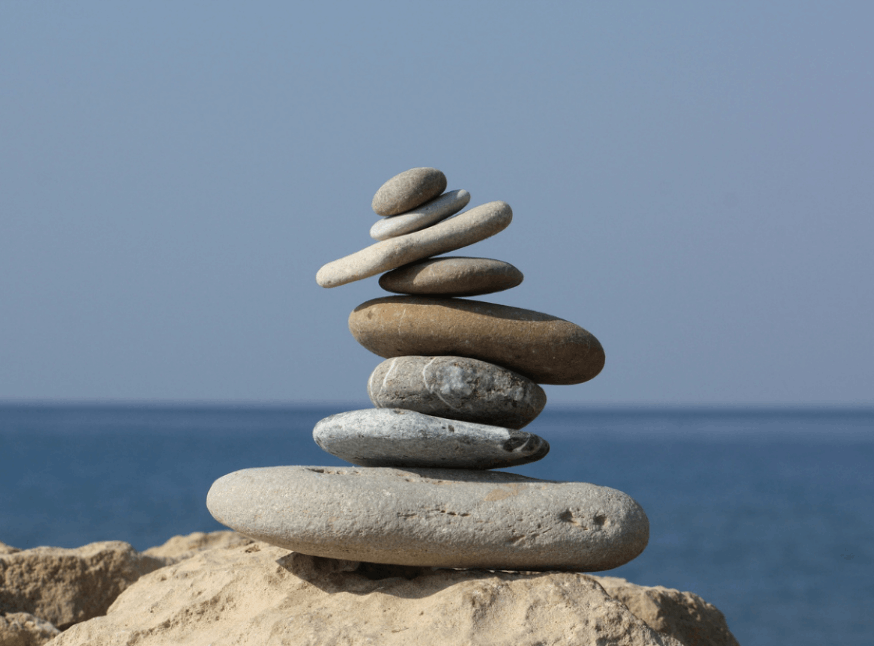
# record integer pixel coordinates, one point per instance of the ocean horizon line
(594, 407)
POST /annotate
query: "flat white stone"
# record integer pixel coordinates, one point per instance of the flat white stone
(464, 229)
(424, 216)
(453, 518)
(391, 437)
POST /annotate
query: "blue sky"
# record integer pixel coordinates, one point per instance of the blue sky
(691, 182)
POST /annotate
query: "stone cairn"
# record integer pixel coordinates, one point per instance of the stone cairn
(459, 380)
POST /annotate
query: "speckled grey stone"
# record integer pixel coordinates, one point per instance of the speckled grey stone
(419, 218)
(391, 437)
(456, 388)
(454, 276)
(433, 517)
(408, 190)
(464, 229)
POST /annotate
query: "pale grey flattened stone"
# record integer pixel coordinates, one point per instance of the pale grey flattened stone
(455, 518)
(391, 437)
(424, 216)
(453, 276)
(544, 348)
(456, 388)
(408, 190)
(464, 229)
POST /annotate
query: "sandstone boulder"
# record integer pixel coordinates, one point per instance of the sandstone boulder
(180, 548)
(8, 549)
(686, 616)
(23, 629)
(259, 594)
(66, 586)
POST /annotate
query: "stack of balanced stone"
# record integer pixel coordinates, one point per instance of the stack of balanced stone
(460, 379)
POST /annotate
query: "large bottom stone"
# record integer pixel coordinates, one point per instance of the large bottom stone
(391, 437)
(433, 517)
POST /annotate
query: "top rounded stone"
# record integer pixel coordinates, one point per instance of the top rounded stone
(408, 190)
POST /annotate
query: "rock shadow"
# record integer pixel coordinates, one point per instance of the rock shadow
(402, 581)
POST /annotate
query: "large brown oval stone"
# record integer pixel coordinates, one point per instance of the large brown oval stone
(453, 276)
(544, 348)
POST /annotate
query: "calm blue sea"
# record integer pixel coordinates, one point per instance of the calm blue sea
(768, 514)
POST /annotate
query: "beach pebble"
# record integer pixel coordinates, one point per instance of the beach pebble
(408, 190)
(544, 348)
(455, 518)
(391, 437)
(464, 229)
(454, 276)
(429, 213)
(458, 388)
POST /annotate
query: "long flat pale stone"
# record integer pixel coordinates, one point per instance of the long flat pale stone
(544, 348)
(408, 190)
(452, 276)
(421, 217)
(464, 229)
(455, 518)
(456, 388)
(391, 437)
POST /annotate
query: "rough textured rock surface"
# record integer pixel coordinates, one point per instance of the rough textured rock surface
(456, 388)
(180, 548)
(464, 229)
(544, 348)
(66, 586)
(8, 549)
(433, 517)
(23, 629)
(408, 190)
(261, 594)
(424, 216)
(392, 437)
(455, 276)
(686, 616)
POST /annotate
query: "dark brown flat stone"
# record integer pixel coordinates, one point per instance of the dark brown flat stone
(455, 276)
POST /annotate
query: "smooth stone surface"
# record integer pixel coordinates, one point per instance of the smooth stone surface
(408, 190)
(391, 437)
(544, 348)
(429, 213)
(455, 276)
(456, 388)
(464, 229)
(454, 518)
